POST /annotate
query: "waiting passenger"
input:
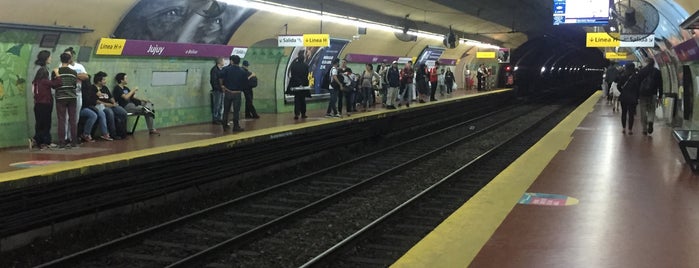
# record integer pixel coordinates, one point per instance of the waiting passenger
(434, 80)
(449, 80)
(66, 103)
(298, 77)
(127, 99)
(348, 94)
(440, 83)
(115, 114)
(81, 77)
(369, 80)
(92, 113)
(407, 86)
(421, 79)
(233, 81)
(393, 79)
(216, 92)
(250, 111)
(43, 101)
(335, 87)
(383, 85)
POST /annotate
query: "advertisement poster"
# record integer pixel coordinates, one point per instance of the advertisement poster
(200, 21)
(319, 60)
(429, 55)
(503, 55)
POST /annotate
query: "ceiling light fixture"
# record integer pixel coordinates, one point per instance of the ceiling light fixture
(343, 20)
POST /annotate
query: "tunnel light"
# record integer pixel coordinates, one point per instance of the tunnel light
(543, 70)
(339, 19)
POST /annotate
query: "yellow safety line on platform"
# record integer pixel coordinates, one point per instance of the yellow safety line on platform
(83, 164)
(457, 240)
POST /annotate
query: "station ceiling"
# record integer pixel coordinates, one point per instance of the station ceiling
(507, 23)
(502, 22)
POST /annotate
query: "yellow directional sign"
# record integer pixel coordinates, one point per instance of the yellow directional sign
(601, 40)
(109, 46)
(316, 40)
(485, 54)
(616, 55)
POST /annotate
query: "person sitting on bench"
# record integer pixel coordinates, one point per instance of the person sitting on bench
(127, 99)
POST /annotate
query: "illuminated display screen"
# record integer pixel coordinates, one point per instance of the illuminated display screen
(580, 12)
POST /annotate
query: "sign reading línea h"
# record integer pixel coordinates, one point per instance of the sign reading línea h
(605, 40)
(316, 40)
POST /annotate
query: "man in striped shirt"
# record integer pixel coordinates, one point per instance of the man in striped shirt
(66, 101)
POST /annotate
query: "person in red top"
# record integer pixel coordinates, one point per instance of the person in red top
(43, 101)
(434, 75)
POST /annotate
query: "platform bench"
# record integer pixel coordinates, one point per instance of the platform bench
(138, 116)
(688, 139)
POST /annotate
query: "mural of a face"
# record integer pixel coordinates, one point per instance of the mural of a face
(184, 21)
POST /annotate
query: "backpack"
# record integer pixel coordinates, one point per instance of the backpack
(252, 82)
(647, 85)
(340, 78)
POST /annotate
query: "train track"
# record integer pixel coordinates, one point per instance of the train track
(239, 232)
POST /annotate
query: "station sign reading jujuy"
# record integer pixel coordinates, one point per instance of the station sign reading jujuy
(485, 54)
(316, 40)
(126, 47)
(290, 41)
(601, 40)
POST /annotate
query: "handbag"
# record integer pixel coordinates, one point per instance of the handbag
(659, 112)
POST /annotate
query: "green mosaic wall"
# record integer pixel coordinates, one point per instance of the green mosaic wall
(15, 54)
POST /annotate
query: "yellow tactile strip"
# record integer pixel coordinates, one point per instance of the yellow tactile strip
(457, 240)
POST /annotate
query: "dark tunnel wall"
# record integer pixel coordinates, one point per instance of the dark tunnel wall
(558, 62)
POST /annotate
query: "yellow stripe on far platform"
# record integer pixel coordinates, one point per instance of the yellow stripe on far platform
(457, 240)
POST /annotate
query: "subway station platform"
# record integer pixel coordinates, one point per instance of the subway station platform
(23, 167)
(586, 195)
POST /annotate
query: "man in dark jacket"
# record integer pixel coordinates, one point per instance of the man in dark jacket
(216, 92)
(298, 77)
(650, 94)
(393, 79)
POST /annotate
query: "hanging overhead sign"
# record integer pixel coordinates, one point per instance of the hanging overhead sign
(601, 40)
(648, 41)
(316, 40)
(290, 41)
(616, 55)
(485, 54)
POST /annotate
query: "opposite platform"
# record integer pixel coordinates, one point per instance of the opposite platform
(636, 207)
(177, 142)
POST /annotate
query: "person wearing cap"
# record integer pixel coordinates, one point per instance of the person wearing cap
(250, 111)
(393, 79)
